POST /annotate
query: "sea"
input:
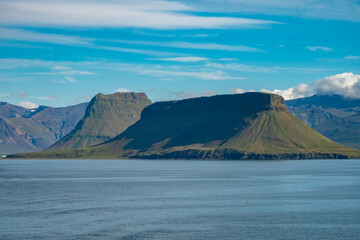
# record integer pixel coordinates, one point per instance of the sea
(179, 199)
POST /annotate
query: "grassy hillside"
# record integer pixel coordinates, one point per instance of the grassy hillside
(241, 126)
(106, 116)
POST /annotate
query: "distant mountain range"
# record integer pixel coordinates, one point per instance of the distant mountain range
(28, 130)
(336, 117)
(239, 126)
(78, 126)
(105, 117)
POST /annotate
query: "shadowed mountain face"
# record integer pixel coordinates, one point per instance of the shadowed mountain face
(240, 126)
(25, 130)
(106, 116)
(13, 139)
(336, 117)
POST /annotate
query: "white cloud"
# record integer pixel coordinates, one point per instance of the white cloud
(70, 79)
(191, 45)
(352, 57)
(344, 84)
(190, 94)
(218, 75)
(70, 72)
(49, 98)
(240, 90)
(83, 98)
(22, 95)
(28, 105)
(319, 48)
(122, 90)
(120, 14)
(182, 59)
(227, 59)
(136, 51)
(348, 10)
(291, 93)
(31, 36)
(58, 67)
(200, 35)
(73, 72)
(241, 67)
(264, 69)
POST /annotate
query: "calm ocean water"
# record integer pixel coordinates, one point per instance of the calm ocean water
(158, 199)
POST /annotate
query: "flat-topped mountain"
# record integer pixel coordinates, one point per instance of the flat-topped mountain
(105, 117)
(240, 126)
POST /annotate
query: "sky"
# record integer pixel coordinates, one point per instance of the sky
(60, 53)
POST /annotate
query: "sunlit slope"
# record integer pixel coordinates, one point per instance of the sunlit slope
(105, 117)
(240, 126)
(278, 132)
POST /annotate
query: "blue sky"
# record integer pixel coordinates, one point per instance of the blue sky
(60, 53)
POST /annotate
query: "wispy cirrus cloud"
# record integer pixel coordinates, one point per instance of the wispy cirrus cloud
(204, 75)
(32, 69)
(14, 34)
(70, 79)
(71, 72)
(345, 10)
(24, 95)
(173, 72)
(261, 69)
(319, 48)
(171, 35)
(192, 45)
(352, 57)
(182, 59)
(154, 14)
(190, 94)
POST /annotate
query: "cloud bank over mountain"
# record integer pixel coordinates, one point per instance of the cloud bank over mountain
(343, 84)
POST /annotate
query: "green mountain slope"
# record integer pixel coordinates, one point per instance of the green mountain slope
(106, 116)
(240, 126)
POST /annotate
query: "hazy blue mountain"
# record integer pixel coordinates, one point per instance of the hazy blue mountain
(336, 117)
(27, 130)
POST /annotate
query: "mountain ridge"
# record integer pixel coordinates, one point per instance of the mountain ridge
(335, 116)
(41, 127)
(238, 126)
